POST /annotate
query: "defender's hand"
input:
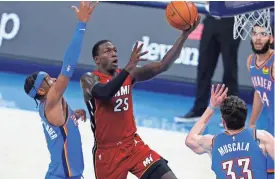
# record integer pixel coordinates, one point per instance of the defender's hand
(80, 114)
(218, 95)
(135, 57)
(85, 10)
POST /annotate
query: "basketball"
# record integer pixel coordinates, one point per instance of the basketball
(181, 14)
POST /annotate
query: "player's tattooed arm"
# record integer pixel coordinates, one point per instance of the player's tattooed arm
(87, 82)
(195, 140)
(267, 140)
(93, 88)
(151, 70)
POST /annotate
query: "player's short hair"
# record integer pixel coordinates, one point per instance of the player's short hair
(29, 83)
(96, 47)
(265, 24)
(234, 112)
(272, 34)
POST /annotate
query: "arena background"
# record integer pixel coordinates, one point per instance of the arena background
(35, 35)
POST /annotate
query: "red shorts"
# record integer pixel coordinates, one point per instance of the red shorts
(131, 155)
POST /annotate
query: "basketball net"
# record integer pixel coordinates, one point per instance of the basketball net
(244, 23)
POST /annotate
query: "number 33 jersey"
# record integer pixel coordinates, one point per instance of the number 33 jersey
(263, 82)
(113, 120)
(238, 156)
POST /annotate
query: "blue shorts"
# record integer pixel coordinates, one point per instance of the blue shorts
(50, 176)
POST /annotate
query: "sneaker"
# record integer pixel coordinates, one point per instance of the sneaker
(191, 116)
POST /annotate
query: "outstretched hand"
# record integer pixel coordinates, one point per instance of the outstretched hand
(80, 114)
(218, 95)
(192, 28)
(84, 11)
(135, 57)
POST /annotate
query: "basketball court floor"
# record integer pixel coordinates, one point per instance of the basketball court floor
(23, 148)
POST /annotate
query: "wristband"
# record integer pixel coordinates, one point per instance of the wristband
(212, 107)
(81, 25)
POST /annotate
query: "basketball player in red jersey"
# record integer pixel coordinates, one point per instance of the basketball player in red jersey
(107, 93)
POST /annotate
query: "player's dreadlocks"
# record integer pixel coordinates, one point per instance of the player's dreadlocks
(29, 84)
(234, 112)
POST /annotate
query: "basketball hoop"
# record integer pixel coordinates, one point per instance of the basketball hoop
(244, 23)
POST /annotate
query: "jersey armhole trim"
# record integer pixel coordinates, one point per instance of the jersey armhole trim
(271, 71)
(255, 134)
(251, 57)
(213, 140)
(67, 114)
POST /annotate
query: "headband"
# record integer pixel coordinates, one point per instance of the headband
(39, 79)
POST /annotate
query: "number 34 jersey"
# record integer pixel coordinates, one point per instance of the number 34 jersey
(113, 120)
(263, 82)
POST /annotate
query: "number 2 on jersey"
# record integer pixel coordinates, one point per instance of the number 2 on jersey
(242, 162)
(121, 102)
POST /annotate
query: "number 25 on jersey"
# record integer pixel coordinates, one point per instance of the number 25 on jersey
(121, 105)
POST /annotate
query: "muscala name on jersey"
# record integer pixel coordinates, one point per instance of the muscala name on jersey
(259, 81)
(124, 90)
(50, 130)
(234, 147)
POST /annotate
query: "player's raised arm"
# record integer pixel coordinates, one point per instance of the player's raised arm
(195, 140)
(151, 70)
(71, 56)
(267, 140)
(93, 88)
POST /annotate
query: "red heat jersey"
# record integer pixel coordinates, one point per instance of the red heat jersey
(113, 119)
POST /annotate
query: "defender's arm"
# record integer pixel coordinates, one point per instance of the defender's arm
(195, 140)
(69, 62)
(53, 106)
(256, 109)
(257, 102)
(267, 140)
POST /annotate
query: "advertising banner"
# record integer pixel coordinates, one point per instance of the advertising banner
(43, 31)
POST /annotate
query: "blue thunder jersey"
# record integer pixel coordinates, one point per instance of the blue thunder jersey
(64, 145)
(238, 156)
(263, 82)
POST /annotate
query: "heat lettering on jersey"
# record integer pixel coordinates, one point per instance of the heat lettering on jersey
(124, 90)
(50, 131)
(259, 81)
(234, 147)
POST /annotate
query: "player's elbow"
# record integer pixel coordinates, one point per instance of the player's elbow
(190, 142)
(164, 67)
